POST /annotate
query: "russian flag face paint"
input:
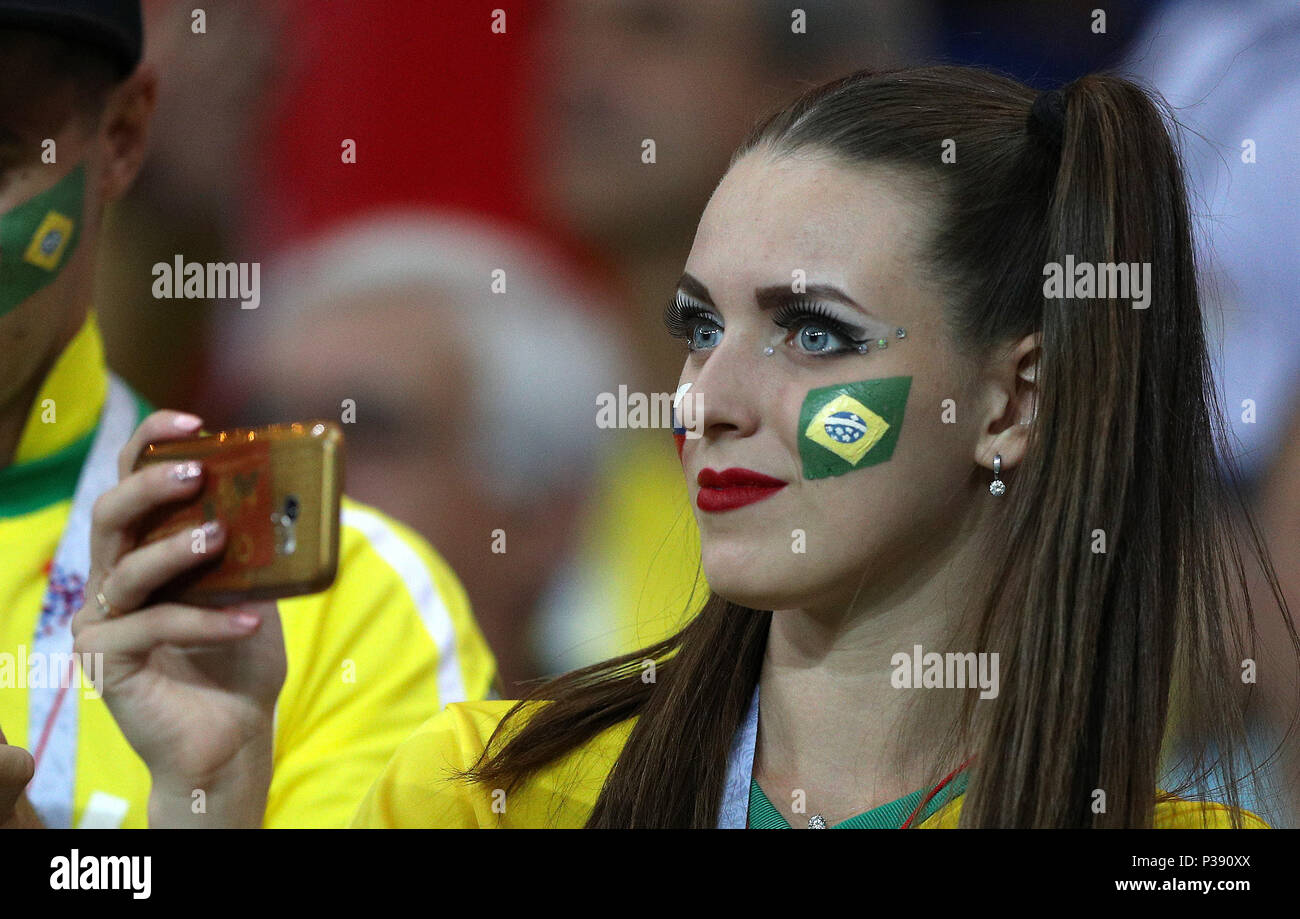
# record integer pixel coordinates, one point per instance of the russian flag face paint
(851, 426)
(679, 428)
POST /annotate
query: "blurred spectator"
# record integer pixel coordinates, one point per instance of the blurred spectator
(474, 410)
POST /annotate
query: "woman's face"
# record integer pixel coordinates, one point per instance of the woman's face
(873, 476)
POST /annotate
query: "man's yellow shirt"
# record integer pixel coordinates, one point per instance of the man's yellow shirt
(416, 789)
(369, 659)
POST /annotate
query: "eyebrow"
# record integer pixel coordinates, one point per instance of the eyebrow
(775, 295)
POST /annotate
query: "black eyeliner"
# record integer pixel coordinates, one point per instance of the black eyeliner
(796, 313)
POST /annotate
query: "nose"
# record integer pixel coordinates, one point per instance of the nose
(729, 390)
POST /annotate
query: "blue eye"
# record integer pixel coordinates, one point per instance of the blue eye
(699, 328)
(704, 335)
(815, 339)
(813, 330)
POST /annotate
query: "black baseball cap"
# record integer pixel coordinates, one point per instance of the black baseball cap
(113, 25)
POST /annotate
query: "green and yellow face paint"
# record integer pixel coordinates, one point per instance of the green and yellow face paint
(851, 426)
(38, 237)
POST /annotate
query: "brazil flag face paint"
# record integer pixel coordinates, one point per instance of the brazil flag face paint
(851, 425)
(38, 237)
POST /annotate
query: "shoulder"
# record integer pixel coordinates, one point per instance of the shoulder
(395, 596)
(379, 551)
(370, 658)
(420, 788)
(372, 544)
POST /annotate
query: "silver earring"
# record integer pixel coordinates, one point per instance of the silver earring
(997, 487)
(769, 351)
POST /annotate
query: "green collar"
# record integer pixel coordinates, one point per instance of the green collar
(31, 486)
(764, 816)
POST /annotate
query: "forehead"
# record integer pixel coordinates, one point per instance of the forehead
(860, 227)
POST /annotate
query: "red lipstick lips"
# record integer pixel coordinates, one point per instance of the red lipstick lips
(733, 488)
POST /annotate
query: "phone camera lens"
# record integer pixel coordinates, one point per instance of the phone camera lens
(291, 507)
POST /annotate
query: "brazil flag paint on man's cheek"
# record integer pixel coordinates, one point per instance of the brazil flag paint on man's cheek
(851, 425)
(37, 238)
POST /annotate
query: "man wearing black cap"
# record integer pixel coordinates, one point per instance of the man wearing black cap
(370, 659)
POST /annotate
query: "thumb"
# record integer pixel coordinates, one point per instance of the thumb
(16, 769)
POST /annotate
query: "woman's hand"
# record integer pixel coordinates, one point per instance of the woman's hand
(192, 689)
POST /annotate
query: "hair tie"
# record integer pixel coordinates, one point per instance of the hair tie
(1047, 116)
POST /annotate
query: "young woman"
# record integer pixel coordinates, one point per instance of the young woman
(912, 447)
(970, 549)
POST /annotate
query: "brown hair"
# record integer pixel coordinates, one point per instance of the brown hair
(1093, 645)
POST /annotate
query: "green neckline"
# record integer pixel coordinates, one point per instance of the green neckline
(37, 484)
(30, 486)
(763, 815)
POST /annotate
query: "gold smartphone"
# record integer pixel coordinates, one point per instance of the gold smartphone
(277, 491)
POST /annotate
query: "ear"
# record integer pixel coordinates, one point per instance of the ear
(1012, 404)
(124, 129)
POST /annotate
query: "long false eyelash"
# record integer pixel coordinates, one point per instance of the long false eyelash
(796, 312)
(678, 316)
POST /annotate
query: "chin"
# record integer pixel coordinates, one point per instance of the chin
(771, 577)
(758, 583)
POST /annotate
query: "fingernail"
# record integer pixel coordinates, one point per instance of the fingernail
(186, 471)
(187, 422)
(244, 622)
(211, 528)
